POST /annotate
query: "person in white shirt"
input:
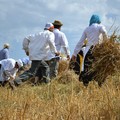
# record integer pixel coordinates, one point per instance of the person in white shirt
(91, 33)
(61, 42)
(8, 69)
(26, 64)
(38, 47)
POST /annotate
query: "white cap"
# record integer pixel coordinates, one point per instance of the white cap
(49, 25)
(6, 45)
(20, 63)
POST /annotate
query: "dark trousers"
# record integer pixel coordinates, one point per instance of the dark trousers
(33, 71)
(53, 66)
(76, 66)
(87, 75)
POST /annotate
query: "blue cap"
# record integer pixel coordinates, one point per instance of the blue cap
(94, 19)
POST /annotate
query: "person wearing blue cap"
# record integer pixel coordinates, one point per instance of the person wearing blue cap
(92, 34)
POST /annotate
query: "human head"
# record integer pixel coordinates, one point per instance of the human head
(57, 24)
(49, 26)
(94, 19)
(6, 45)
(19, 63)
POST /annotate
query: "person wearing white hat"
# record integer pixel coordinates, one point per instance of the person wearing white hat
(49, 26)
(38, 47)
(4, 53)
(8, 69)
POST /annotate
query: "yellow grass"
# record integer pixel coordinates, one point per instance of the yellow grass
(65, 98)
(62, 100)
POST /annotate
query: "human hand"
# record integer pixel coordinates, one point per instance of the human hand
(73, 58)
(57, 54)
(68, 57)
(12, 77)
(27, 53)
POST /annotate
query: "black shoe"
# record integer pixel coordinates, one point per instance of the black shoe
(85, 84)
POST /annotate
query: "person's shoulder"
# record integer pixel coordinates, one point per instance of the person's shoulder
(46, 34)
(49, 32)
(61, 33)
(87, 27)
(6, 49)
(1, 50)
(58, 31)
(30, 36)
(10, 59)
(99, 25)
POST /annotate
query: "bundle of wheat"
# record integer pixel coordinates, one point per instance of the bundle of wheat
(107, 59)
(67, 77)
(63, 66)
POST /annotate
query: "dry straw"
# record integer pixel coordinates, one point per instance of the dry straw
(107, 58)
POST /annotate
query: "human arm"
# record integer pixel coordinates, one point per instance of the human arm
(6, 53)
(79, 45)
(104, 32)
(9, 69)
(26, 42)
(65, 46)
(51, 43)
(8, 75)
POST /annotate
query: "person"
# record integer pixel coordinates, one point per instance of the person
(8, 69)
(60, 42)
(4, 53)
(26, 63)
(78, 65)
(38, 47)
(91, 33)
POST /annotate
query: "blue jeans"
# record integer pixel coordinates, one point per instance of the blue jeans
(35, 66)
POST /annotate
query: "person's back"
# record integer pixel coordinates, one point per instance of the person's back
(38, 48)
(8, 64)
(93, 32)
(4, 53)
(38, 45)
(60, 39)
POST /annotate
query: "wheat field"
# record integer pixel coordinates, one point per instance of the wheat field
(65, 98)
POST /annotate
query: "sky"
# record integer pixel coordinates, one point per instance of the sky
(20, 18)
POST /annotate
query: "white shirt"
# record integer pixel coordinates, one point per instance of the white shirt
(92, 34)
(41, 46)
(61, 41)
(7, 67)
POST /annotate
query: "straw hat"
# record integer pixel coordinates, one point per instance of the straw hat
(57, 22)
